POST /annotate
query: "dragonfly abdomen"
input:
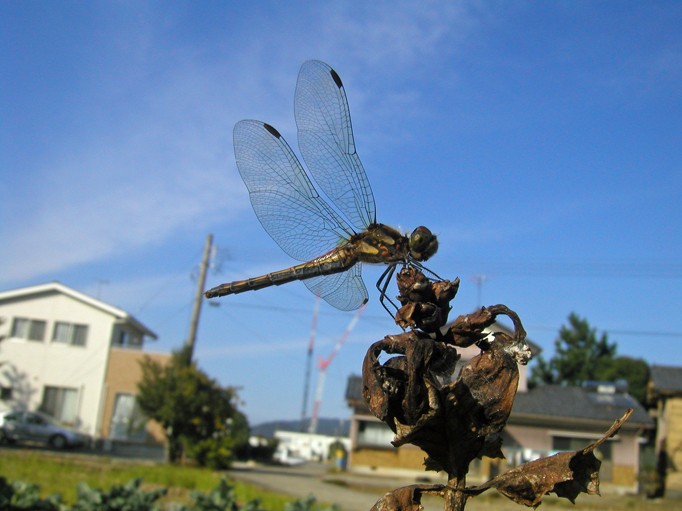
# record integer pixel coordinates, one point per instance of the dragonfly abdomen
(335, 261)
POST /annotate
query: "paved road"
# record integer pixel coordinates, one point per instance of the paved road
(302, 480)
(350, 491)
(360, 493)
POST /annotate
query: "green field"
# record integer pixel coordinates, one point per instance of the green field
(59, 473)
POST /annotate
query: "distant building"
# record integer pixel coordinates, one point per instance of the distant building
(296, 447)
(553, 418)
(665, 393)
(76, 359)
(543, 421)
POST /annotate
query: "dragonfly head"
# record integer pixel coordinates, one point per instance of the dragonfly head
(423, 243)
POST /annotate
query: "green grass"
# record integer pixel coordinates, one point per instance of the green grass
(56, 473)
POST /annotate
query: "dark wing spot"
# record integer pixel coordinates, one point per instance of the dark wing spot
(272, 130)
(337, 79)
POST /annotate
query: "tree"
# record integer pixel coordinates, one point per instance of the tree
(633, 370)
(581, 356)
(200, 417)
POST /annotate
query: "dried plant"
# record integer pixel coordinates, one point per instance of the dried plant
(455, 412)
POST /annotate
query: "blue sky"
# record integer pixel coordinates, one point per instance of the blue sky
(541, 141)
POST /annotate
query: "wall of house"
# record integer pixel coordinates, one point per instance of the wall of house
(408, 460)
(307, 445)
(530, 437)
(123, 373)
(383, 460)
(36, 364)
(671, 439)
(538, 441)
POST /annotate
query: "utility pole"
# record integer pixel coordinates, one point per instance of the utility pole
(199, 296)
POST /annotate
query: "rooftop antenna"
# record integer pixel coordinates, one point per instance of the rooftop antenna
(480, 280)
(100, 283)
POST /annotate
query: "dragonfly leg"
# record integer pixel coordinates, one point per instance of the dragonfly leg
(382, 285)
(423, 268)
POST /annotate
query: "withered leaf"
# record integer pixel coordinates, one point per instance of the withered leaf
(477, 406)
(483, 395)
(467, 330)
(392, 389)
(425, 304)
(407, 498)
(567, 474)
(454, 422)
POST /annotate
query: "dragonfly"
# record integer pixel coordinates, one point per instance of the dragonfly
(341, 225)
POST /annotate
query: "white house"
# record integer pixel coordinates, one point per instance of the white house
(306, 446)
(66, 353)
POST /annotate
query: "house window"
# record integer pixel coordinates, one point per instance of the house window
(69, 333)
(5, 393)
(604, 453)
(31, 329)
(124, 339)
(127, 422)
(60, 403)
(564, 443)
(374, 433)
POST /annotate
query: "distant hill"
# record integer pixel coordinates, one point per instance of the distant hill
(331, 427)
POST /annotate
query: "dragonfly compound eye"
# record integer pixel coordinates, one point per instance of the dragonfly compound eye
(423, 243)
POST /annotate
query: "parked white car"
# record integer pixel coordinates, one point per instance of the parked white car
(20, 426)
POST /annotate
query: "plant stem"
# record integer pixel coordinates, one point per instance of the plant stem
(455, 499)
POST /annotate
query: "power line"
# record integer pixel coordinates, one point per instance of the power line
(644, 333)
(655, 269)
(163, 286)
(292, 310)
(640, 333)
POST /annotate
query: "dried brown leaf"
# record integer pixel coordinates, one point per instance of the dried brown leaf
(407, 498)
(397, 391)
(567, 474)
(425, 304)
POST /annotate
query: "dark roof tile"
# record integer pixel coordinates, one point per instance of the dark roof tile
(557, 401)
(666, 378)
(354, 388)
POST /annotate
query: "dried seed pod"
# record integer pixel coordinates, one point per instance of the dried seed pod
(426, 304)
(457, 416)
(400, 392)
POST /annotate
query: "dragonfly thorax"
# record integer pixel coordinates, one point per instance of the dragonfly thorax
(381, 244)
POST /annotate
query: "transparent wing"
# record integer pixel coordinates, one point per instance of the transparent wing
(345, 291)
(284, 199)
(325, 138)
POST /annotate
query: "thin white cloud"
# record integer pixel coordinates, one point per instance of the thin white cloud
(248, 350)
(160, 168)
(132, 201)
(390, 34)
(158, 160)
(137, 295)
